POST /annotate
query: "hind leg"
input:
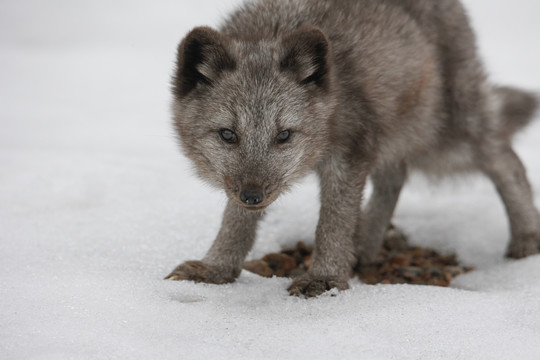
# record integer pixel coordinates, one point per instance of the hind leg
(387, 184)
(505, 169)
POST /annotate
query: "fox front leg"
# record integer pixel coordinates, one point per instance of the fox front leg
(334, 255)
(223, 262)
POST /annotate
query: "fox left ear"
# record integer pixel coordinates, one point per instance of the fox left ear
(307, 56)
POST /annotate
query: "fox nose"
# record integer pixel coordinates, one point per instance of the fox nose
(251, 197)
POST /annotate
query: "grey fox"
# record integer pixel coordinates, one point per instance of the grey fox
(349, 89)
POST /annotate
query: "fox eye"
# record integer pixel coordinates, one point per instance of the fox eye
(228, 136)
(283, 136)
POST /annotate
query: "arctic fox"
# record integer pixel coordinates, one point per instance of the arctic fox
(349, 89)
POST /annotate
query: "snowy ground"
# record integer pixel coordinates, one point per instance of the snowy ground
(97, 205)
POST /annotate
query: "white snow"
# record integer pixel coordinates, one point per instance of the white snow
(97, 205)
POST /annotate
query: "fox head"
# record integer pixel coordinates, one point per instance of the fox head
(254, 115)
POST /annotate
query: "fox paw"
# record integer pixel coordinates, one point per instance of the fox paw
(201, 272)
(523, 246)
(310, 286)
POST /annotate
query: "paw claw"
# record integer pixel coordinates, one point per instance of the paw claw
(202, 272)
(295, 292)
(173, 277)
(308, 285)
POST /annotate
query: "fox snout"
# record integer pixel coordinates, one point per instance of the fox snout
(251, 197)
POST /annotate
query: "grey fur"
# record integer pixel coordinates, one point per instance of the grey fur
(366, 88)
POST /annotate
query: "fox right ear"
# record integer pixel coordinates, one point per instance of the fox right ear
(307, 56)
(202, 56)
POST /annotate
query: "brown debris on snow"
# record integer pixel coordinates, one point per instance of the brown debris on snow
(397, 263)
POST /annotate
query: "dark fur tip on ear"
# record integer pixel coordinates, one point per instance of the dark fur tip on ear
(201, 57)
(307, 55)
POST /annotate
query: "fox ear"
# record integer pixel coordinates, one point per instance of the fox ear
(307, 55)
(202, 56)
